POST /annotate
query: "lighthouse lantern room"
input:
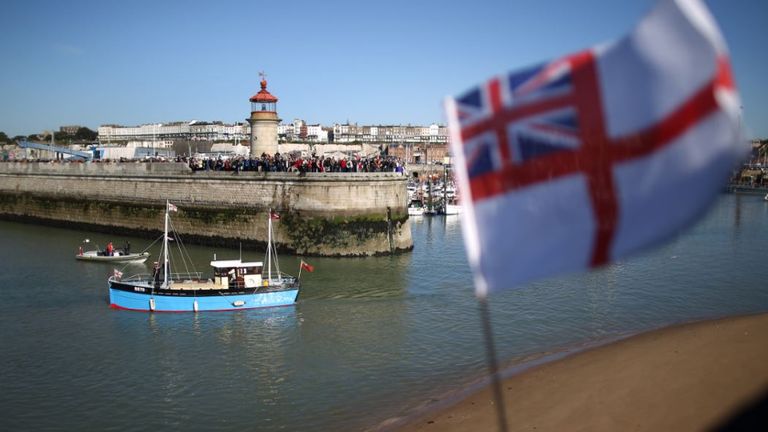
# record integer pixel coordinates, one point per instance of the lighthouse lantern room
(263, 100)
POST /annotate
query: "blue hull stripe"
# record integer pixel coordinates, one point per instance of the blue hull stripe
(140, 301)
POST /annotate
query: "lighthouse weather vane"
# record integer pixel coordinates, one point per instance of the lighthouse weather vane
(263, 75)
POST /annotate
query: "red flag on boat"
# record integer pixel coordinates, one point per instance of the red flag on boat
(307, 266)
(274, 216)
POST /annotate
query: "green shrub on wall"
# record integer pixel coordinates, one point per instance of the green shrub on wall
(306, 233)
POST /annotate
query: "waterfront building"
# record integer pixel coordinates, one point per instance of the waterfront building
(69, 130)
(300, 131)
(192, 131)
(433, 133)
(419, 153)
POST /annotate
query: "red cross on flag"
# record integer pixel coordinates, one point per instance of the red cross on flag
(583, 160)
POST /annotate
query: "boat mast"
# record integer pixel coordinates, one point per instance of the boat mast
(277, 266)
(165, 248)
(269, 246)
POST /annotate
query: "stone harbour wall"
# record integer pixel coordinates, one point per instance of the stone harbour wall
(329, 214)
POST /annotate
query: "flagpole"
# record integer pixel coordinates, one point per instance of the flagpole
(493, 368)
(481, 291)
(300, 267)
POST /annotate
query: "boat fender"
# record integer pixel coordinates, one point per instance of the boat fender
(194, 306)
(152, 304)
(238, 303)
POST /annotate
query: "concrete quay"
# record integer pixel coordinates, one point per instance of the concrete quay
(326, 214)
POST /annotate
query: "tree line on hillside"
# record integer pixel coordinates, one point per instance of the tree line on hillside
(83, 134)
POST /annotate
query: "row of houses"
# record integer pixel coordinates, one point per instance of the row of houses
(296, 131)
(194, 131)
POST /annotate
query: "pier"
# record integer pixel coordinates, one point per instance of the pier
(325, 214)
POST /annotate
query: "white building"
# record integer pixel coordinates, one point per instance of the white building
(296, 131)
(317, 133)
(194, 130)
(433, 133)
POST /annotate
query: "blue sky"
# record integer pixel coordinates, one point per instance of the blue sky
(133, 62)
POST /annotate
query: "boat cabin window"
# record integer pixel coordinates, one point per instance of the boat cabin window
(223, 271)
(237, 271)
(251, 270)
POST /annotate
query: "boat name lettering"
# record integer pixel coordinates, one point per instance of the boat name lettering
(139, 289)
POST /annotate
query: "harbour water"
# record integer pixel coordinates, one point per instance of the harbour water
(369, 339)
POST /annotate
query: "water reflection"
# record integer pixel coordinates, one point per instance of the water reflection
(368, 339)
(372, 277)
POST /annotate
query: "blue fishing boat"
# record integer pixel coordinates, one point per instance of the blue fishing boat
(234, 284)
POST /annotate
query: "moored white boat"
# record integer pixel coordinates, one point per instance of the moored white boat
(452, 209)
(234, 284)
(116, 257)
(415, 209)
(110, 254)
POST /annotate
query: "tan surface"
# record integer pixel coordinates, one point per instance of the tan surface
(682, 378)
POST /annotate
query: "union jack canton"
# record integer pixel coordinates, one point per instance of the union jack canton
(546, 122)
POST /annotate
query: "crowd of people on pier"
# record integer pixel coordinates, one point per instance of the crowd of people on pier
(267, 163)
(294, 162)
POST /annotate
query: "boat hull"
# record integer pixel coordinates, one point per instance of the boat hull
(452, 209)
(156, 302)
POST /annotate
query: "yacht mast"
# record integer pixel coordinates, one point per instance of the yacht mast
(269, 246)
(165, 247)
(277, 265)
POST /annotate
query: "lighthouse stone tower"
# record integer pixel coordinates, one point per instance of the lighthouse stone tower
(263, 121)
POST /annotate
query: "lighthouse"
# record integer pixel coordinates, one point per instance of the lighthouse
(263, 121)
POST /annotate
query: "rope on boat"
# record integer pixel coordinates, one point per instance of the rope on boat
(183, 254)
